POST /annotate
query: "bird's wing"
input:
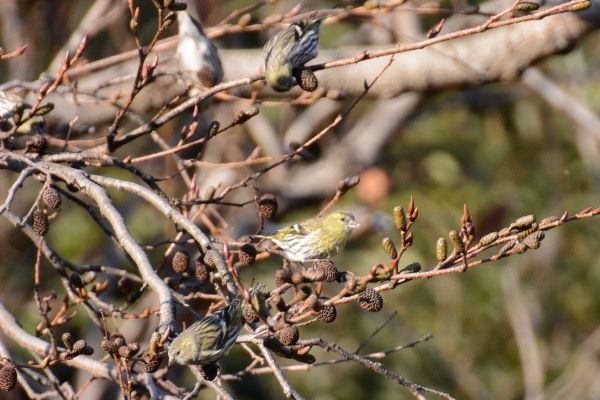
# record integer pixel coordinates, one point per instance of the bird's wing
(212, 331)
(296, 229)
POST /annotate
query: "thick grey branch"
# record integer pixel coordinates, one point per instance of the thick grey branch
(10, 327)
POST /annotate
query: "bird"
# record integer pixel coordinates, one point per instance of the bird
(315, 238)
(208, 340)
(197, 55)
(289, 50)
(13, 109)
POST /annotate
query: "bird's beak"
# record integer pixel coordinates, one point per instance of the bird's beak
(354, 225)
(171, 362)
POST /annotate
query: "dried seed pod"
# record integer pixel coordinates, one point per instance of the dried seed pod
(400, 219)
(116, 341)
(267, 206)
(328, 268)
(247, 254)
(326, 313)
(370, 300)
(389, 247)
(488, 239)
(78, 346)
(180, 262)
(201, 271)
(39, 222)
(441, 249)
(210, 259)
(456, 241)
(51, 197)
(8, 375)
(209, 371)
(67, 339)
(151, 362)
(306, 79)
(288, 335)
(250, 315)
(348, 183)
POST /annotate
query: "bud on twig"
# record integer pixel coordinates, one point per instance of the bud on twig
(456, 241)
(435, 30)
(347, 183)
(400, 220)
(488, 239)
(441, 249)
(522, 223)
(245, 115)
(389, 247)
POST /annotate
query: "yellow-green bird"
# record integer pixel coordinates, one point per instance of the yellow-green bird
(208, 340)
(12, 110)
(315, 238)
(289, 49)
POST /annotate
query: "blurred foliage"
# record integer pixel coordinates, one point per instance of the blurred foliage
(497, 148)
